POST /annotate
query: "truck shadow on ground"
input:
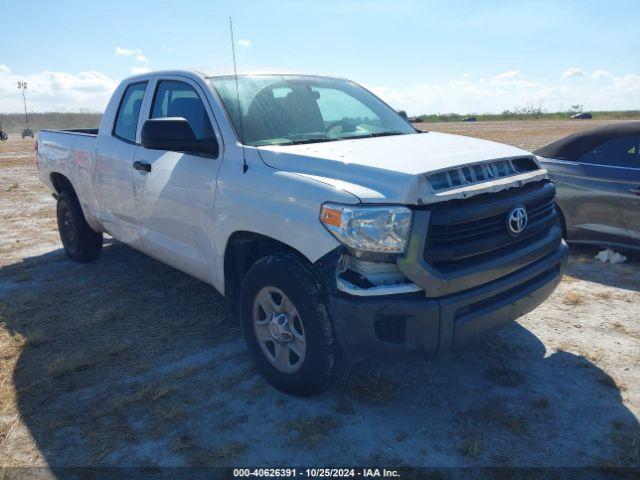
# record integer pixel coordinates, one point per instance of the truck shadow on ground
(127, 362)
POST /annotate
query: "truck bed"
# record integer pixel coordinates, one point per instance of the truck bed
(70, 153)
(83, 131)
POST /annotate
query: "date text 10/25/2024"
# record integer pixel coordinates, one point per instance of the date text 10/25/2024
(316, 472)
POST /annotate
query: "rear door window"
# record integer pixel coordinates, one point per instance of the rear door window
(126, 123)
(616, 152)
(179, 99)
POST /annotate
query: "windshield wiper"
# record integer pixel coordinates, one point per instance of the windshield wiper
(312, 140)
(301, 141)
(371, 135)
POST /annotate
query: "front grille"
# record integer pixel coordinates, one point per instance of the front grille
(480, 172)
(471, 231)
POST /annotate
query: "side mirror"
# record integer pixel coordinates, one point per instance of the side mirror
(403, 114)
(175, 134)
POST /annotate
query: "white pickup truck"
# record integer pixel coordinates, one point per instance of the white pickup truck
(334, 229)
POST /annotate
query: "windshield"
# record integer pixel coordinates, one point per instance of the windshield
(286, 110)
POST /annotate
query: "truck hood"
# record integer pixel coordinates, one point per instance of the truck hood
(393, 169)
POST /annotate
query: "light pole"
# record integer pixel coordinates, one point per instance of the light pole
(23, 86)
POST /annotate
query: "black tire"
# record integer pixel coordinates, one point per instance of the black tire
(80, 242)
(322, 364)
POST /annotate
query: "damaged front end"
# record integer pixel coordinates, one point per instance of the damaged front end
(462, 273)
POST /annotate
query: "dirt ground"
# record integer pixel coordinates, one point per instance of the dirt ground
(127, 362)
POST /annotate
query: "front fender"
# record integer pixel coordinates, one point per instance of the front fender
(281, 205)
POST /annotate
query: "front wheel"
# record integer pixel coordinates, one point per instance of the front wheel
(287, 326)
(80, 242)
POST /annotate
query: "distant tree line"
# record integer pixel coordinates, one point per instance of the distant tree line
(530, 113)
(14, 122)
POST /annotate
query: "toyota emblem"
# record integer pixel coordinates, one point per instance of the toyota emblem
(517, 219)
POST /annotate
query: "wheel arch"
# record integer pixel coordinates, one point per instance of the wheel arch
(242, 250)
(61, 182)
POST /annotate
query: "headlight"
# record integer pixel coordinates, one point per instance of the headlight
(371, 229)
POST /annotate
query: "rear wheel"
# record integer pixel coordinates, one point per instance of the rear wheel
(80, 242)
(287, 326)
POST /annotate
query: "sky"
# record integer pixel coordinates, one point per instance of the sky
(423, 56)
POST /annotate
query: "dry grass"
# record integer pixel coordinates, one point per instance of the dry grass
(146, 394)
(110, 347)
(172, 414)
(345, 406)
(609, 382)
(573, 298)
(604, 295)
(401, 436)
(594, 354)
(471, 448)
(626, 440)
(199, 456)
(541, 403)
(184, 373)
(369, 386)
(623, 330)
(117, 347)
(31, 338)
(538, 132)
(311, 431)
(70, 363)
(220, 456)
(496, 414)
(237, 378)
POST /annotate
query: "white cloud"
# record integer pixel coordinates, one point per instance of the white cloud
(243, 42)
(124, 52)
(602, 90)
(50, 90)
(508, 76)
(574, 72)
(511, 90)
(128, 52)
(166, 49)
(600, 73)
(512, 78)
(627, 83)
(137, 70)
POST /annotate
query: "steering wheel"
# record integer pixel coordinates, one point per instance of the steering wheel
(346, 125)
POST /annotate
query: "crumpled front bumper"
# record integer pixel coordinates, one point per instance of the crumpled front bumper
(413, 325)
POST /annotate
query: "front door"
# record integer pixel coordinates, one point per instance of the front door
(175, 191)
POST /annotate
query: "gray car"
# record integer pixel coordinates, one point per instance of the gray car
(597, 176)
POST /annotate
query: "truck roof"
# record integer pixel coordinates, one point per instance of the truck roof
(204, 74)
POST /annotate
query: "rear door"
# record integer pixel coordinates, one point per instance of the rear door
(589, 191)
(116, 149)
(175, 199)
(630, 195)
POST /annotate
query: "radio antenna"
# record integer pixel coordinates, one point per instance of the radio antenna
(245, 167)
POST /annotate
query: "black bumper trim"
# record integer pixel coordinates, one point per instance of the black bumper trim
(435, 326)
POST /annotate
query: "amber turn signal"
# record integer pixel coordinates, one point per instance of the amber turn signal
(331, 216)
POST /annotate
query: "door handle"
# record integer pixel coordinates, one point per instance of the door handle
(635, 191)
(143, 167)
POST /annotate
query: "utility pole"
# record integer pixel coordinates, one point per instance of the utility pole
(23, 86)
